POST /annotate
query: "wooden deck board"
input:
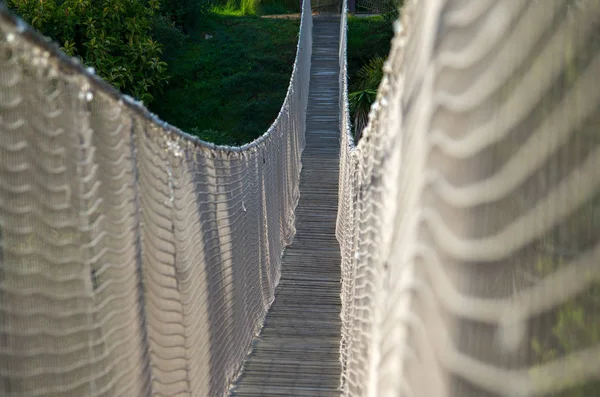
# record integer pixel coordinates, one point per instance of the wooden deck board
(297, 353)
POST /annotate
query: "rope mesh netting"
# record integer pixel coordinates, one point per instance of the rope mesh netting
(469, 210)
(377, 6)
(135, 260)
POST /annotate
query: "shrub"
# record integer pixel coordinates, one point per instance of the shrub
(112, 36)
(184, 13)
(164, 30)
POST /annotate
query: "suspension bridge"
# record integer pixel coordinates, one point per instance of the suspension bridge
(452, 251)
(298, 350)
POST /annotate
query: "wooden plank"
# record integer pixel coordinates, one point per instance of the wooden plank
(297, 353)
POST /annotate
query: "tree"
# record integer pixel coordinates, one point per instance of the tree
(112, 36)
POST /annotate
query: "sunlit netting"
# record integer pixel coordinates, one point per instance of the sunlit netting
(469, 211)
(134, 259)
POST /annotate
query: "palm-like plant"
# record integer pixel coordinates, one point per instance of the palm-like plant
(369, 77)
(360, 105)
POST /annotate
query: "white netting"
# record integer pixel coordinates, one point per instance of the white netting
(377, 6)
(134, 260)
(468, 216)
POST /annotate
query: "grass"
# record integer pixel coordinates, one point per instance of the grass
(229, 77)
(256, 7)
(367, 38)
(236, 8)
(369, 42)
(228, 89)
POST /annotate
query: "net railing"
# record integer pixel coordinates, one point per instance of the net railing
(469, 210)
(135, 260)
(377, 6)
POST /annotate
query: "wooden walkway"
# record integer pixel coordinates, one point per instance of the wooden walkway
(298, 351)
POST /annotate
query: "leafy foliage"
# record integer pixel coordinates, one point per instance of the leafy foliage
(368, 37)
(184, 13)
(165, 31)
(233, 75)
(233, 72)
(360, 105)
(255, 7)
(369, 42)
(391, 16)
(112, 36)
(367, 81)
(370, 75)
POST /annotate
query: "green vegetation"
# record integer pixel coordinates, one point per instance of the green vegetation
(367, 80)
(384, 7)
(183, 15)
(227, 69)
(368, 38)
(112, 36)
(369, 41)
(229, 79)
(234, 70)
(272, 7)
(256, 7)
